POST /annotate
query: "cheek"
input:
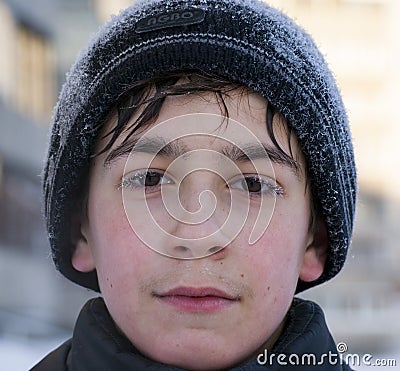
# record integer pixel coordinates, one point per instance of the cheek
(117, 250)
(277, 256)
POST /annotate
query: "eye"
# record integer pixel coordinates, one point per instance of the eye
(256, 185)
(148, 179)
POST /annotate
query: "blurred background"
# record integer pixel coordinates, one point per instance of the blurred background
(40, 39)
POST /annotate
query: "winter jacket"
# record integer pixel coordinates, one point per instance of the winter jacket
(98, 345)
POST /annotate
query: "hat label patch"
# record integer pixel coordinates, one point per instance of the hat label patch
(183, 17)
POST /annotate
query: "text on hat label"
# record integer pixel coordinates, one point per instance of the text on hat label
(182, 17)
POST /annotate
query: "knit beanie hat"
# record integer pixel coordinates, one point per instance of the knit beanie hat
(245, 41)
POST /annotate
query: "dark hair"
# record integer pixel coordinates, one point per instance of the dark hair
(150, 94)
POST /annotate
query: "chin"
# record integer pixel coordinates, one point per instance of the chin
(201, 363)
(198, 359)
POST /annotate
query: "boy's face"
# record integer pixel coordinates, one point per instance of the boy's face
(217, 310)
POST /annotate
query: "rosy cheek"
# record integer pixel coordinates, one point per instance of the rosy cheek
(277, 254)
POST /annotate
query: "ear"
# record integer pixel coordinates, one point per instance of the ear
(316, 254)
(82, 257)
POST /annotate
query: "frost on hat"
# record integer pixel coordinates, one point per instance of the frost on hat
(245, 41)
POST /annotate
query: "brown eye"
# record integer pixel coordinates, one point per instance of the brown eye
(152, 179)
(252, 184)
(256, 185)
(145, 179)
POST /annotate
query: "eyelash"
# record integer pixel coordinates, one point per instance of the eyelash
(270, 186)
(140, 176)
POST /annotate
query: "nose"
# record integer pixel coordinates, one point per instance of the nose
(193, 252)
(198, 218)
(193, 241)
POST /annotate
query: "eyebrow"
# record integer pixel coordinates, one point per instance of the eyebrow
(158, 146)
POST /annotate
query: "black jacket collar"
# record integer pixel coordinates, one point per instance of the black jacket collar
(98, 345)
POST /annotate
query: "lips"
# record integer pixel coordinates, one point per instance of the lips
(203, 299)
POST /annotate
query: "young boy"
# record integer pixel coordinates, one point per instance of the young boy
(200, 174)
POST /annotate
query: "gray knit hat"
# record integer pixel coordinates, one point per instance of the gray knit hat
(246, 41)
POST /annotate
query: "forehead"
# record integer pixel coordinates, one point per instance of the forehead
(247, 107)
(243, 106)
(210, 121)
(204, 121)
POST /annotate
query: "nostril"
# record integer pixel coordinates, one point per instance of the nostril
(194, 252)
(181, 252)
(181, 249)
(214, 249)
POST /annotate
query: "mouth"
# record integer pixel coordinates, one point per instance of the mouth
(197, 299)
